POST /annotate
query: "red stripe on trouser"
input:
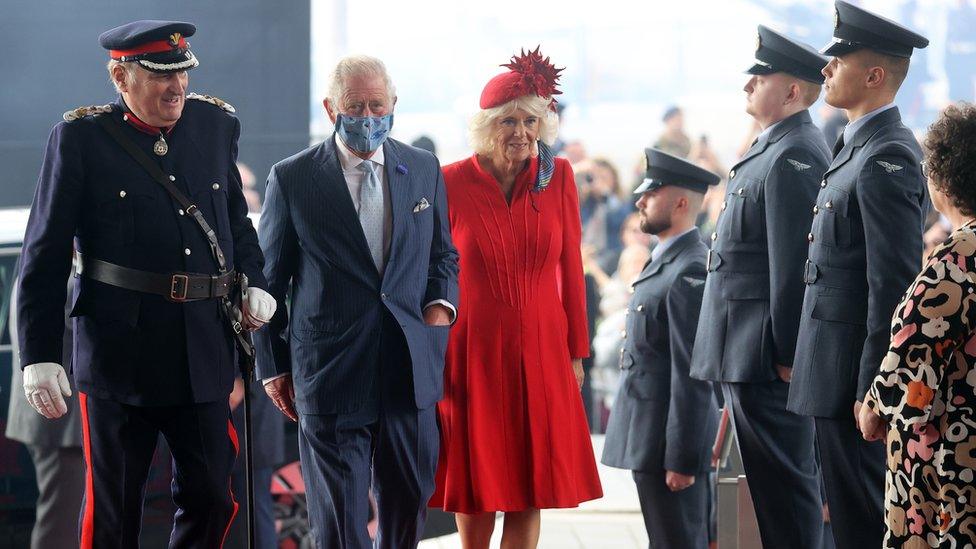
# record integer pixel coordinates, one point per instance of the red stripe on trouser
(88, 519)
(232, 433)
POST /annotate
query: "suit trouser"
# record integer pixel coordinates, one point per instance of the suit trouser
(120, 441)
(854, 479)
(389, 444)
(674, 520)
(779, 458)
(60, 484)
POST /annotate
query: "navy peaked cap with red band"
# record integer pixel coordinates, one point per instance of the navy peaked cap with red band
(664, 169)
(778, 53)
(856, 28)
(158, 46)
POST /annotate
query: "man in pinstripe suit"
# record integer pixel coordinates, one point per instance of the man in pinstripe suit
(357, 225)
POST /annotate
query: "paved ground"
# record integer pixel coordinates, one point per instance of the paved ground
(613, 522)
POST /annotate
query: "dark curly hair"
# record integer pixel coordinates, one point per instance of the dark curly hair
(951, 158)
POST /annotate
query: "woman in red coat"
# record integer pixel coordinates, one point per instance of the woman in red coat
(514, 433)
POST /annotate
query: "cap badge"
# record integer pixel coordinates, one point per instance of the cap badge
(836, 18)
(174, 39)
(758, 41)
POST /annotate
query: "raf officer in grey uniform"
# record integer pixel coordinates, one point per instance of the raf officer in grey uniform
(751, 309)
(865, 248)
(663, 422)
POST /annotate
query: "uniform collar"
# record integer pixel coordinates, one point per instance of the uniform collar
(854, 125)
(135, 122)
(349, 161)
(663, 245)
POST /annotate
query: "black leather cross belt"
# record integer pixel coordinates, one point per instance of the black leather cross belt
(176, 287)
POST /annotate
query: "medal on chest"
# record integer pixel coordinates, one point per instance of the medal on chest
(160, 147)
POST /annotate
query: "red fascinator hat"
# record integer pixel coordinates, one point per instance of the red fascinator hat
(528, 74)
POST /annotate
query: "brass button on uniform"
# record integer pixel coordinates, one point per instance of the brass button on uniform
(181, 212)
(740, 192)
(829, 205)
(809, 237)
(121, 194)
(816, 210)
(216, 186)
(640, 308)
(186, 251)
(172, 178)
(714, 236)
(732, 174)
(823, 184)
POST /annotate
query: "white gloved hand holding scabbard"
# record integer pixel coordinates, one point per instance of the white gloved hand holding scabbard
(258, 308)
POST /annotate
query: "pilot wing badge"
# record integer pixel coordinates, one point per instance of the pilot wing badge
(888, 166)
(797, 165)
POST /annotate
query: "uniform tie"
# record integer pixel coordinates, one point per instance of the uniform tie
(371, 211)
(839, 145)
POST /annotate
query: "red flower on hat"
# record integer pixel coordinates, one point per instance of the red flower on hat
(530, 74)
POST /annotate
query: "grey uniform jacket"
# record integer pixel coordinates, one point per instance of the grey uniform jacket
(754, 291)
(24, 424)
(865, 248)
(663, 419)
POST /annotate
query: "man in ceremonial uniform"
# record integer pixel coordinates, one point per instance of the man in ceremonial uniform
(865, 248)
(663, 422)
(747, 332)
(152, 353)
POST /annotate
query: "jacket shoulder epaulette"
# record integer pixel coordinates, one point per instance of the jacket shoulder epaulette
(82, 112)
(212, 100)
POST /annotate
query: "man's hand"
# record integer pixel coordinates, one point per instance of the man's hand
(785, 373)
(281, 390)
(677, 482)
(44, 383)
(437, 315)
(258, 308)
(578, 372)
(871, 425)
(237, 394)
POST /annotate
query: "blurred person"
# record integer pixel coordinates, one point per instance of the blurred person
(514, 432)
(153, 290)
(355, 228)
(426, 143)
(935, 235)
(921, 402)
(674, 140)
(864, 248)
(751, 308)
(55, 448)
(832, 121)
(630, 235)
(602, 209)
(750, 137)
(574, 152)
(663, 422)
(249, 183)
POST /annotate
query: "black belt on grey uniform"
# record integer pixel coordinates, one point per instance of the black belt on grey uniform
(742, 262)
(844, 279)
(176, 287)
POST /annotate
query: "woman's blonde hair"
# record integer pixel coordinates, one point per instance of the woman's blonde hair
(480, 129)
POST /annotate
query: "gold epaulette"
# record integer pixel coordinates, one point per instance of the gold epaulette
(82, 112)
(213, 101)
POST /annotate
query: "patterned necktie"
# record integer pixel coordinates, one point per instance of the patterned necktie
(371, 211)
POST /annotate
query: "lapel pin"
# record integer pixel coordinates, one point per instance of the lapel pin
(401, 169)
(421, 206)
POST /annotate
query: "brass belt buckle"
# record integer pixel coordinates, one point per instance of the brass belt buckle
(179, 285)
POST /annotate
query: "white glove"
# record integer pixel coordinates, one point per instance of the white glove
(259, 307)
(44, 383)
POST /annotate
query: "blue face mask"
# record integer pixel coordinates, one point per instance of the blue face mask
(363, 134)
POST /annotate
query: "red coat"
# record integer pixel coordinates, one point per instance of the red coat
(514, 433)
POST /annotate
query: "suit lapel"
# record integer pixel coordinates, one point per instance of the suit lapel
(332, 185)
(399, 184)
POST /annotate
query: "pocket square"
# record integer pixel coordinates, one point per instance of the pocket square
(421, 206)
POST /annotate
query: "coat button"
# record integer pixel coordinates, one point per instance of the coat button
(809, 237)
(181, 212)
(216, 186)
(186, 251)
(829, 205)
(823, 184)
(732, 174)
(121, 194)
(740, 192)
(640, 308)
(714, 237)
(383, 296)
(621, 351)
(724, 205)
(816, 210)
(172, 178)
